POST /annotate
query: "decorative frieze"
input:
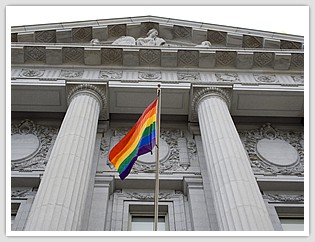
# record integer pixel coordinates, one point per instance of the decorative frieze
(194, 77)
(284, 198)
(30, 145)
(273, 151)
(148, 196)
(128, 55)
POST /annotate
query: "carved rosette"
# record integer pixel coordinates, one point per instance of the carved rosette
(266, 78)
(98, 92)
(71, 73)
(110, 75)
(203, 92)
(170, 163)
(298, 79)
(149, 75)
(188, 76)
(261, 144)
(31, 158)
(31, 73)
(227, 77)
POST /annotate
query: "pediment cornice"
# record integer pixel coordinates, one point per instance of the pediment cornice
(108, 30)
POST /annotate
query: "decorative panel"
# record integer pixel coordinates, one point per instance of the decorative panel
(252, 41)
(82, 34)
(216, 37)
(116, 30)
(273, 151)
(284, 44)
(35, 54)
(188, 58)
(150, 57)
(182, 33)
(226, 58)
(263, 59)
(48, 36)
(297, 60)
(73, 55)
(111, 57)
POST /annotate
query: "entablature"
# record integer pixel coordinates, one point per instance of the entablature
(157, 57)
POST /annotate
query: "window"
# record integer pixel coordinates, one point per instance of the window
(14, 210)
(292, 224)
(146, 223)
(141, 217)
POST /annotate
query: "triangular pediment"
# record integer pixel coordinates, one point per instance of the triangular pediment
(175, 32)
(94, 43)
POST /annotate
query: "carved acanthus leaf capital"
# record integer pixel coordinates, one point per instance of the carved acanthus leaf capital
(99, 92)
(200, 93)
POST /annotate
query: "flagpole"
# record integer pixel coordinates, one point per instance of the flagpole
(157, 154)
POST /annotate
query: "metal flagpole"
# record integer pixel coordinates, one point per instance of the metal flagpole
(157, 154)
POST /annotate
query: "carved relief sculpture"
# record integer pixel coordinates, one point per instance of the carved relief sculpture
(30, 145)
(274, 152)
(152, 39)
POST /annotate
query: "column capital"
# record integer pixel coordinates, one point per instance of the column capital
(99, 92)
(200, 93)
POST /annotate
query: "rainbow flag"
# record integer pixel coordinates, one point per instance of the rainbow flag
(140, 140)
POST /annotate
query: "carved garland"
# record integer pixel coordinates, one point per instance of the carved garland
(284, 198)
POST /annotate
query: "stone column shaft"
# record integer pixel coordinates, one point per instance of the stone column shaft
(238, 202)
(60, 199)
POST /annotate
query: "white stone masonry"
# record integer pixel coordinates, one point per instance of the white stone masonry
(61, 196)
(238, 201)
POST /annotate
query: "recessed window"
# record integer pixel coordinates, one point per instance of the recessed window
(292, 224)
(146, 223)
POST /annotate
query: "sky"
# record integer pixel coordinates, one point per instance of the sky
(281, 19)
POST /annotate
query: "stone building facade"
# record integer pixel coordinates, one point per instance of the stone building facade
(232, 130)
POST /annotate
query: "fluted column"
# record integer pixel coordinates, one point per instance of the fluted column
(60, 200)
(238, 201)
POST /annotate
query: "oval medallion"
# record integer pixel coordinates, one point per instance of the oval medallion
(23, 146)
(150, 158)
(277, 152)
